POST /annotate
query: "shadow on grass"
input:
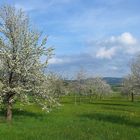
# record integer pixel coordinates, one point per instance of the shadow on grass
(113, 104)
(111, 118)
(66, 102)
(116, 108)
(17, 113)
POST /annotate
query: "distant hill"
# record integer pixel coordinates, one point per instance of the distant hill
(113, 80)
(110, 80)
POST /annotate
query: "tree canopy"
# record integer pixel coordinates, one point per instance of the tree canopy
(21, 68)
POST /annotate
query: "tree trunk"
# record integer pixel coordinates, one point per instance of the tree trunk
(132, 97)
(75, 99)
(90, 100)
(9, 112)
(100, 97)
(80, 99)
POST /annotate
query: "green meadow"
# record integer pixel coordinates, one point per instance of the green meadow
(108, 119)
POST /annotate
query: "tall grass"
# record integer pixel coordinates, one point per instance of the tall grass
(111, 119)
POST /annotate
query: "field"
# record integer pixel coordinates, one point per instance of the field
(110, 119)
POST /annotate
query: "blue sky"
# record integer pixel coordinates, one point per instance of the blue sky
(102, 36)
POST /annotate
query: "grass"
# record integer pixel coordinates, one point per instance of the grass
(112, 119)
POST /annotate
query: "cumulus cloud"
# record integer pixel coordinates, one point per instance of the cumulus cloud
(56, 61)
(105, 53)
(127, 39)
(124, 39)
(59, 60)
(124, 44)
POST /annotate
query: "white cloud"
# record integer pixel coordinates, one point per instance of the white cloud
(114, 68)
(126, 43)
(105, 53)
(127, 39)
(123, 44)
(57, 60)
(124, 39)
